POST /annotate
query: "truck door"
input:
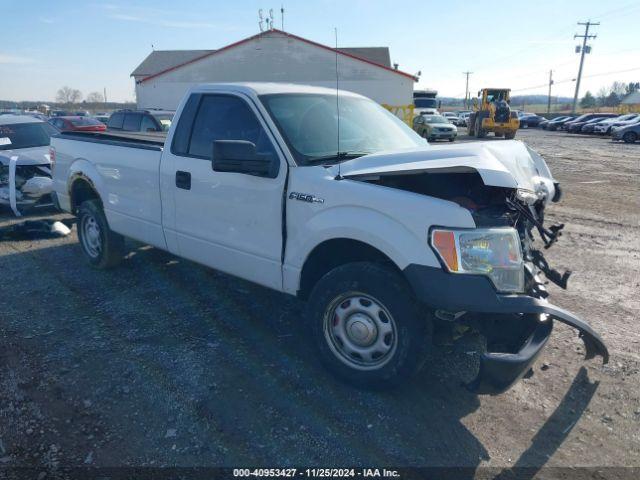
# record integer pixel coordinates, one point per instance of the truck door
(229, 221)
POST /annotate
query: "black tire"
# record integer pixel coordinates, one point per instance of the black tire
(389, 292)
(630, 137)
(102, 248)
(480, 133)
(451, 139)
(510, 136)
(471, 122)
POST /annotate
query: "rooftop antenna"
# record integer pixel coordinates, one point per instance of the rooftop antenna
(339, 177)
(260, 20)
(271, 18)
(282, 17)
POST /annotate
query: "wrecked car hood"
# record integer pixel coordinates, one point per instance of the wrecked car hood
(507, 163)
(26, 156)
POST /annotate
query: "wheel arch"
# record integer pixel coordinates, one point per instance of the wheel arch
(81, 189)
(333, 253)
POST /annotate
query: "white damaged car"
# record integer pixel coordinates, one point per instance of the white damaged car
(327, 196)
(25, 165)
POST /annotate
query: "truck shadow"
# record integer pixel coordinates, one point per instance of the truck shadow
(233, 364)
(555, 430)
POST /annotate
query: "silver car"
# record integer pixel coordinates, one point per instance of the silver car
(628, 134)
(25, 164)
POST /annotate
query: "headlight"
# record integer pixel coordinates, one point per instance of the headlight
(494, 252)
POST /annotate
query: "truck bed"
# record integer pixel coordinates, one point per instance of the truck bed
(148, 141)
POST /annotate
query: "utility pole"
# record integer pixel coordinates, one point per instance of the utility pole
(549, 97)
(105, 94)
(466, 90)
(583, 50)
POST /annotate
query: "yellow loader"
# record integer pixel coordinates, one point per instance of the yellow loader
(491, 113)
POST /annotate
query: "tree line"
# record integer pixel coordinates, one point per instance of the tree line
(609, 97)
(68, 95)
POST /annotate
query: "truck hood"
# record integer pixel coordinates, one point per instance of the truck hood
(508, 163)
(26, 156)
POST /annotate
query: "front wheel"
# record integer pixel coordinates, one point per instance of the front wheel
(102, 247)
(510, 135)
(630, 137)
(367, 325)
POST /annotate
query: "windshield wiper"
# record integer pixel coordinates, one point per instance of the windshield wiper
(338, 156)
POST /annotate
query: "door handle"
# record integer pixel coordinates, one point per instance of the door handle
(183, 180)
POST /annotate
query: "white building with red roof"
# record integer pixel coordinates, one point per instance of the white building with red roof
(272, 56)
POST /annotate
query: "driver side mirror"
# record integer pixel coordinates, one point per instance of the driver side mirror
(240, 156)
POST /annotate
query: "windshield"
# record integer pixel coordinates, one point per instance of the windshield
(25, 135)
(164, 119)
(309, 125)
(425, 102)
(434, 119)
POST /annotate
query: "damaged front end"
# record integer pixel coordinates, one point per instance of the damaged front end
(24, 183)
(490, 277)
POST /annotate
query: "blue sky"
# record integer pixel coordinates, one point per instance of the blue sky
(91, 44)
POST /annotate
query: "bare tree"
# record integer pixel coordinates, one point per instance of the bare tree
(619, 88)
(68, 95)
(95, 97)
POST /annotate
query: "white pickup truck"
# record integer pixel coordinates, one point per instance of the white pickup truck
(388, 238)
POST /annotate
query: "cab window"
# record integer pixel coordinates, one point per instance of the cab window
(132, 122)
(224, 117)
(115, 121)
(148, 125)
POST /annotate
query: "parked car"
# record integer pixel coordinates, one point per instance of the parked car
(545, 123)
(77, 124)
(530, 120)
(605, 127)
(140, 120)
(434, 127)
(25, 164)
(463, 119)
(589, 127)
(38, 115)
(629, 133)
(557, 123)
(383, 234)
(81, 113)
(60, 113)
(451, 117)
(575, 126)
(102, 118)
(583, 118)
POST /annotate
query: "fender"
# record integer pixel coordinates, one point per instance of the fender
(359, 223)
(85, 170)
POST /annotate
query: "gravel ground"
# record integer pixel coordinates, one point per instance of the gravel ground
(162, 362)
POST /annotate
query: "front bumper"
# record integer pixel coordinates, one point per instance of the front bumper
(443, 135)
(475, 293)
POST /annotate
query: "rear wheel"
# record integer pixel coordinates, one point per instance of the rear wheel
(630, 137)
(101, 247)
(367, 325)
(480, 132)
(510, 135)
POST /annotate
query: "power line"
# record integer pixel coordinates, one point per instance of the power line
(584, 50)
(567, 80)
